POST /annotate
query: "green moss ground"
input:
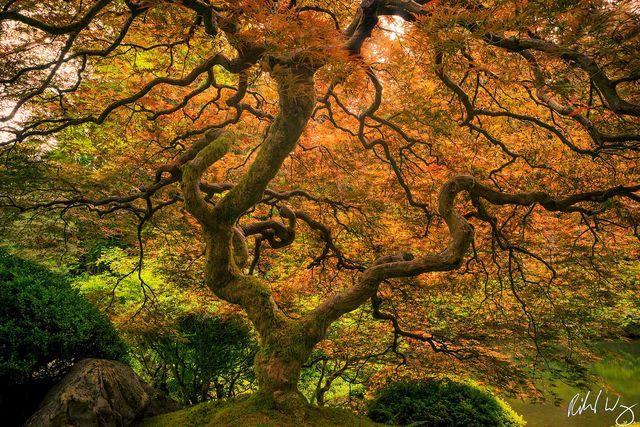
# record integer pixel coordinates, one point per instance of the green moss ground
(247, 412)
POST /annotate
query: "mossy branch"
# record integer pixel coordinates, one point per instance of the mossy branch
(461, 236)
(217, 145)
(296, 100)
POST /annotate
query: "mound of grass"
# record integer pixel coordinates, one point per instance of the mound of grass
(249, 412)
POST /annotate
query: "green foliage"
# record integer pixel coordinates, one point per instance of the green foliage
(45, 324)
(440, 403)
(109, 278)
(217, 345)
(206, 357)
(179, 340)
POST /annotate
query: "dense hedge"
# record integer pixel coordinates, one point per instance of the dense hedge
(45, 324)
(440, 403)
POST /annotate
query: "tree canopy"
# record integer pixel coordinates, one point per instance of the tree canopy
(311, 162)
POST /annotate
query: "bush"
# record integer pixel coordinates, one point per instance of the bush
(45, 326)
(438, 403)
(206, 357)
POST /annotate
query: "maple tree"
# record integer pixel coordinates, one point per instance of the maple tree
(340, 136)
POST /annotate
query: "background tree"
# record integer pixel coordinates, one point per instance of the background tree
(207, 358)
(344, 133)
(182, 342)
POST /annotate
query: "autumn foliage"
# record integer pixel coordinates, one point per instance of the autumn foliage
(527, 111)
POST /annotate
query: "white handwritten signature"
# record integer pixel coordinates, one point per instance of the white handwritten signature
(580, 404)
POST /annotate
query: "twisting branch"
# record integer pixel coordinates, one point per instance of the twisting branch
(83, 53)
(371, 144)
(296, 104)
(226, 253)
(606, 86)
(217, 145)
(206, 12)
(330, 246)
(471, 112)
(275, 232)
(37, 128)
(12, 15)
(599, 137)
(366, 19)
(436, 345)
(460, 237)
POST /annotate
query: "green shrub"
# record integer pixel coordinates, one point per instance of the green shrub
(46, 325)
(438, 403)
(205, 357)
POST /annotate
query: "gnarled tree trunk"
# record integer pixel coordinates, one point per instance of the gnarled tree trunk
(285, 343)
(279, 362)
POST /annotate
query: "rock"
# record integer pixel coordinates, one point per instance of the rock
(100, 393)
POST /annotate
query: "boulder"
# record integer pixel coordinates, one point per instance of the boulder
(96, 392)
